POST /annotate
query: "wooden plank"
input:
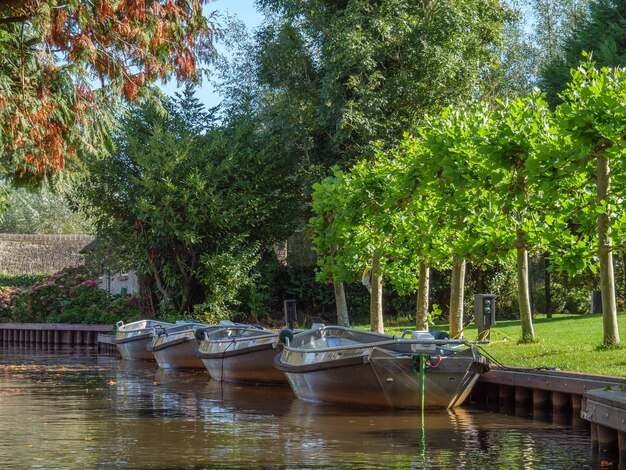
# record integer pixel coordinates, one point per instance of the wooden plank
(56, 326)
(606, 408)
(550, 380)
(105, 339)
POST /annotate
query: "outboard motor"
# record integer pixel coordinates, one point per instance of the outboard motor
(285, 336)
(200, 334)
(440, 334)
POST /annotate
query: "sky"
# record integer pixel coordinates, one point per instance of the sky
(244, 10)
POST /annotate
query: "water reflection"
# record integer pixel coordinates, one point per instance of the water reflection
(73, 409)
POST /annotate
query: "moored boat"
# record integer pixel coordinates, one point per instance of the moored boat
(345, 366)
(174, 347)
(241, 354)
(133, 338)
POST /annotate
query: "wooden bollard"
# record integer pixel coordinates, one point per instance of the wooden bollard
(540, 399)
(522, 397)
(607, 440)
(576, 401)
(506, 395)
(560, 402)
(594, 436)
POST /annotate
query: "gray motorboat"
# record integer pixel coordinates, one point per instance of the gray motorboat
(133, 338)
(241, 354)
(174, 347)
(346, 366)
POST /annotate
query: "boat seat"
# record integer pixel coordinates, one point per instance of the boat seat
(333, 341)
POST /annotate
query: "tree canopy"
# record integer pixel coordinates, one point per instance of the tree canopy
(63, 64)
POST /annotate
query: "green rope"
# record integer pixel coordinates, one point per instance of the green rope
(422, 370)
(422, 379)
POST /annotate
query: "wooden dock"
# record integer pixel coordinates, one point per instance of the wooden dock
(106, 346)
(52, 334)
(605, 409)
(598, 399)
(537, 388)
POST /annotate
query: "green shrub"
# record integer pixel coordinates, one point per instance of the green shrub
(20, 280)
(69, 296)
(124, 307)
(6, 302)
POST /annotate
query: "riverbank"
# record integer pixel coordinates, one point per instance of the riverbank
(567, 342)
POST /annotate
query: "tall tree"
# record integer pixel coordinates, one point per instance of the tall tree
(533, 38)
(192, 203)
(351, 73)
(602, 31)
(593, 113)
(341, 76)
(63, 64)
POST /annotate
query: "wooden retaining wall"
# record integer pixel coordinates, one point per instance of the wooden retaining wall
(106, 346)
(563, 396)
(561, 390)
(51, 334)
(605, 409)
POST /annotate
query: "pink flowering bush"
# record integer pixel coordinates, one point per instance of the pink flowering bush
(6, 301)
(71, 296)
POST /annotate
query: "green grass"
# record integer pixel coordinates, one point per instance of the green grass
(567, 342)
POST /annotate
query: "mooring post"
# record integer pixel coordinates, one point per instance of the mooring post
(540, 399)
(594, 436)
(506, 395)
(560, 402)
(522, 397)
(576, 403)
(607, 440)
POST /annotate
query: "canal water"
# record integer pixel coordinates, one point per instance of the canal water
(74, 409)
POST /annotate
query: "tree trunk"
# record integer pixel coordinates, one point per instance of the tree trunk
(340, 300)
(146, 296)
(523, 291)
(624, 278)
(376, 296)
(605, 254)
(457, 292)
(547, 284)
(421, 317)
(342, 305)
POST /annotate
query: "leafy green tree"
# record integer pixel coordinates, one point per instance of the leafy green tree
(533, 38)
(340, 77)
(329, 238)
(64, 64)
(348, 74)
(191, 203)
(593, 113)
(41, 211)
(602, 32)
(469, 225)
(522, 131)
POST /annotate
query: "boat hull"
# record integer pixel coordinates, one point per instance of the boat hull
(132, 339)
(135, 348)
(377, 378)
(251, 365)
(178, 355)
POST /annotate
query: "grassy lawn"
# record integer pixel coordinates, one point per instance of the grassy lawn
(567, 342)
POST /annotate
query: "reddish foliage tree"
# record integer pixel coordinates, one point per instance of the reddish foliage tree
(63, 63)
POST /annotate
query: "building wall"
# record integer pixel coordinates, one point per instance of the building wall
(25, 253)
(119, 283)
